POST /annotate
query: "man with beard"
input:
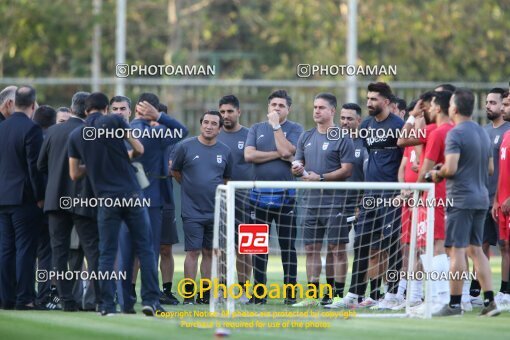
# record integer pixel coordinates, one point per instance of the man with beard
(496, 129)
(383, 163)
(234, 136)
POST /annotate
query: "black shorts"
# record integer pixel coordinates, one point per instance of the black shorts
(382, 223)
(198, 234)
(464, 227)
(169, 234)
(490, 229)
(321, 221)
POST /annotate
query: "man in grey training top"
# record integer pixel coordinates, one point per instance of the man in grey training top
(200, 164)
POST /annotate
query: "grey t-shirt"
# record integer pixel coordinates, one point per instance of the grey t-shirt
(261, 136)
(468, 187)
(496, 137)
(241, 171)
(203, 168)
(321, 155)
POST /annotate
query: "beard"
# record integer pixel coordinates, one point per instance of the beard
(428, 118)
(491, 115)
(374, 111)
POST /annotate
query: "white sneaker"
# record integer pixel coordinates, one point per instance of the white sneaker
(243, 299)
(368, 302)
(419, 309)
(504, 303)
(499, 298)
(345, 302)
(466, 306)
(402, 306)
(476, 301)
(388, 302)
(307, 303)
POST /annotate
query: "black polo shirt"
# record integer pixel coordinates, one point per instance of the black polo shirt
(106, 158)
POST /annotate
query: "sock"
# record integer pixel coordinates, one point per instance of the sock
(316, 285)
(440, 288)
(375, 293)
(475, 288)
(402, 286)
(455, 301)
(331, 281)
(504, 287)
(416, 291)
(188, 288)
(339, 289)
(488, 297)
(167, 287)
(385, 288)
(465, 291)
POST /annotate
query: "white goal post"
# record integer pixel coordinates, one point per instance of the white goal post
(225, 250)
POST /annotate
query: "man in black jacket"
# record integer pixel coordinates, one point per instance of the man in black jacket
(60, 192)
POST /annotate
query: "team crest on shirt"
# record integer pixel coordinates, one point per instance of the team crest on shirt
(357, 153)
(496, 139)
(240, 145)
(219, 159)
(325, 146)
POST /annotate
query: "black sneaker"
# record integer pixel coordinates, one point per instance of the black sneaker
(326, 300)
(168, 299)
(490, 310)
(449, 311)
(105, 312)
(257, 301)
(188, 301)
(202, 301)
(289, 301)
(152, 310)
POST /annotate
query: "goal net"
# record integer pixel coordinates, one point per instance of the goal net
(358, 246)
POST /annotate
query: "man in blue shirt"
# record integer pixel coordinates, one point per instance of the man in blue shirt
(200, 164)
(106, 161)
(271, 146)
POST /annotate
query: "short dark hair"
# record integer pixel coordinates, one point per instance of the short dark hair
(393, 99)
(442, 98)
(464, 101)
(382, 88)
(329, 97)
(498, 90)
(151, 98)
(280, 94)
(120, 99)
(63, 109)
(427, 96)
(352, 106)
(411, 105)
(78, 103)
(45, 116)
(447, 87)
(212, 113)
(24, 97)
(229, 99)
(505, 95)
(401, 104)
(162, 108)
(96, 101)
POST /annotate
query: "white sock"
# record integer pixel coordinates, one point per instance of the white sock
(416, 291)
(465, 291)
(385, 288)
(402, 286)
(440, 265)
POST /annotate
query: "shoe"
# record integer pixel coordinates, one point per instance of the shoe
(388, 303)
(129, 311)
(53, 301)
(345, 302)
(105, 312)
(307, 303)
(289, 301)
(490, 310)
(504, 304)
(466, 306)
(477, 300)
(448, 311)
(368, 302)
(153, 310)
(326, 300)
(290, 297)
(188, 301)
(202, 301)
(257, 301)
(168, 299)
(402, 306)
(498, 298)
(69, 306)
(242, 300)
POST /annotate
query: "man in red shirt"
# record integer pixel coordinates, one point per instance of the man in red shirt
(501, 211)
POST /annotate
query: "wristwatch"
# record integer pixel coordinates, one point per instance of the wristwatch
(321, 178)
(277, 127)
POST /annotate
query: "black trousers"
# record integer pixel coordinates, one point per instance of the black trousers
(61, 225)
(43, 261)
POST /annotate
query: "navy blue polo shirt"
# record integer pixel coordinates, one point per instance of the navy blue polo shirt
(106, 158)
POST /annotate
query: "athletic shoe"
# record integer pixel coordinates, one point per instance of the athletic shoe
(202, 301)
(326, 300)
(289, 301)
(367, 302)
(345, 302)
(257, 301)
(499, 298)
(168, 299)
(242, 300)
(490, 310)
(448, 311)
(307, 303)
(69, 306)
(504, 304)
(466, 306)
(149, 310)
(105, 312)
(402, 306)
(388, 302)
(188, 301)
(129, 311)
(477, 301)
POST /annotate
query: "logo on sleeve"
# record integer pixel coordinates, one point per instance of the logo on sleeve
(240, 145)
(219, 159)
(325, 146)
